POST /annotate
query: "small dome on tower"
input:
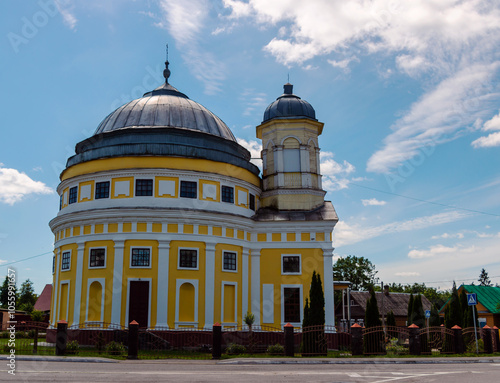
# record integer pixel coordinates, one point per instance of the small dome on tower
(289, 105)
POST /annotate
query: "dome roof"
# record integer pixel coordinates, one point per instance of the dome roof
(165, 107)
(288, 105)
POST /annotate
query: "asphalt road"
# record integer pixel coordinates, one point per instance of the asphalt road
(210, 371)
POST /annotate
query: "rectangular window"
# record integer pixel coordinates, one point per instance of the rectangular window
(291, 264)
(227, 194)
(188, 259)
(97, 257)
(252, 202)
(141, 257)
(53, 264)
(60, 201)
(143, 188)
(73, 194)
(66, 260)
(188, 189)
(292, 304)
(229, 261)
(102, 190)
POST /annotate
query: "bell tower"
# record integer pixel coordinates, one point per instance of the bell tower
(290, 154)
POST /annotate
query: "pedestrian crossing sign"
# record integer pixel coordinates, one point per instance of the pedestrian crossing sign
(472, 299)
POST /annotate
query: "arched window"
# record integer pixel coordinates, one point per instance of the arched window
(291, 155)
(186, 303)
(94, 304)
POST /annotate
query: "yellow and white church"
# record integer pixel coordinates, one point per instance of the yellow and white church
(164, 220)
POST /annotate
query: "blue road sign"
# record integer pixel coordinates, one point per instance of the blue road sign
(472, 299)
(427, 313)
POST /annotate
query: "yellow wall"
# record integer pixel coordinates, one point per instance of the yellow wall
(94, 305)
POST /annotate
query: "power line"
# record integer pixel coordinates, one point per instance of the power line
(25, 259)
(426, 201)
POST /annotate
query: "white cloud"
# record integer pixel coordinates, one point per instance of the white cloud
(455, 43)
(407, 274)
(254, 101)
(346, 234)
(254, 148)
(448, 236)
(437, 117)
(14, 186)
(343, 64)
(438, 250)
(185, 21)
(492, 139)
(66, 12)
(335, 174)
(373, 202)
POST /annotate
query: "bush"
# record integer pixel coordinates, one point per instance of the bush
(31, 333)
(6, 348)
(115, 348)
(236, 349)
(21, 334)
(276, 349)
(393, 348)
(4, 335)
(471, 346)
(72, 347)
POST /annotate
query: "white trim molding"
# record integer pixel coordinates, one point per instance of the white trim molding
(150, 280)
(300, 287)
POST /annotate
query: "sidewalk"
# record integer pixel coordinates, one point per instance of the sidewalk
(264, 361)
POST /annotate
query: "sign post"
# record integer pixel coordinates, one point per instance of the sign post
(472, 301)
(427, 315)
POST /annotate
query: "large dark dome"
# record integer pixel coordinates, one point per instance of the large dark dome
(288, 105)
(165, 107)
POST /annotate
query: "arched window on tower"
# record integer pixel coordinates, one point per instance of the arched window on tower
(291, 155)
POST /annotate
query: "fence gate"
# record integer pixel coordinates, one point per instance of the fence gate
(376, 338)
(436, 339)
(314, 341)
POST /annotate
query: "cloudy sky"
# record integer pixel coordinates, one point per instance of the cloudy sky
(408, 91)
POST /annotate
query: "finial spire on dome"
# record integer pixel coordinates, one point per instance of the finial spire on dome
(166, 71)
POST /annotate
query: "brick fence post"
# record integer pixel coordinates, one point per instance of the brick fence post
(216, 341)
(356, 339)
(496, 340)
(289, 347)
(61, 337)
(133, 340)
(486, 336)
(458, 340)
(414, 340)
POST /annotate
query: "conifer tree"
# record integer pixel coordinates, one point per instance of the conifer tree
(418, 314)
(453, 312)
(409, 319)
(391, 319)
(372, 315)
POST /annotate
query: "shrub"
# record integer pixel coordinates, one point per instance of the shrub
(249, 318)
(115, 348)
(31, 333)
(21, 334)
(4, 335)
(6, 348)
(276, 349)
(72, 347)
(236, 349)
(471, 347)
(393, 348)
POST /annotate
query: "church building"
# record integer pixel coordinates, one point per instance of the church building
(164, 220)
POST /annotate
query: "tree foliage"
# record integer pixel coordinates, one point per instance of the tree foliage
(313, 339)
(357, 270)
(391, 319)
(27, 297)
(372, 315)
(484, 280)
(453, 313)
(409, 310)
(417, 315)
(4, 293)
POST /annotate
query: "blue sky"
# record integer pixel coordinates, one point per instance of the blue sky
(408, 92)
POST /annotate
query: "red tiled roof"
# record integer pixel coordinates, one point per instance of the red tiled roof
(43, 301)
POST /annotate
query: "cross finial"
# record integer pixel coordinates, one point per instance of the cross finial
(166, 71)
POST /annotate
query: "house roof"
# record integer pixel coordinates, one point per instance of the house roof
(488, 296)
(397, 302)
(43, 301)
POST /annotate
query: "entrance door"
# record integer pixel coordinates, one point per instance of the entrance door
(138, 305)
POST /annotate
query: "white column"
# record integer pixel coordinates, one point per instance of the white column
(244, 282)
(318, 169)
(55, 289)
(78, 283)
(209, 284)
(328, 286)
(255, 259)
(278, 163)
(116, 303)
(162, 294)
(305, 166)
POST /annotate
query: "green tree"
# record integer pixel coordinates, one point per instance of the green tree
(357, 270)
(410, 311)
(484, 280)
(453, 311)
(313, 338)
(27, 297)
(391, 319)
(417, 314)
(372, 315)
(4, 292)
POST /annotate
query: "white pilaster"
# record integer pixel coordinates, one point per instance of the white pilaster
(278, 163)
(55, 289)
(255, 281)
(116, 303)
(328, 286)
(305, 165)
(78, 283)
(244, 280)
(162, 294)
(209, 284)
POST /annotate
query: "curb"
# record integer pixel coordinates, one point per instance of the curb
(64, 359)
(386, 361)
